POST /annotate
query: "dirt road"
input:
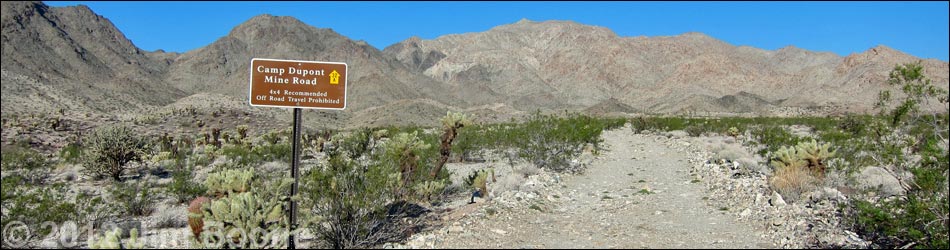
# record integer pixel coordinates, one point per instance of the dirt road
(637, 194)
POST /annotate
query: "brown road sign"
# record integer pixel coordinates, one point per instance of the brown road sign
(297, 84)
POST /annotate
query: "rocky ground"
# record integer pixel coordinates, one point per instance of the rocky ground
(656, 190)
(650, 190)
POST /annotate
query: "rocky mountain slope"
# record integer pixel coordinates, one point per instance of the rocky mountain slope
(566, 65)
(72, 59)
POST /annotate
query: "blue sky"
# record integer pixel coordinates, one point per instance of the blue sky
(917, 28)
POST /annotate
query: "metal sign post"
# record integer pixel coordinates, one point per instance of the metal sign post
(295, 172)
(298, 85)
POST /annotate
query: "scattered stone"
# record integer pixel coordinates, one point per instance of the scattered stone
(776, 200)
(876, 177)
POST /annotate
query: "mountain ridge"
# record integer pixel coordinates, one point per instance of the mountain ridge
(83, 62)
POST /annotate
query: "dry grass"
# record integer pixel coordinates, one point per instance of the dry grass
(792, 181)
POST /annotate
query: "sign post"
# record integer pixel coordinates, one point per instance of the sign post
(297, 85)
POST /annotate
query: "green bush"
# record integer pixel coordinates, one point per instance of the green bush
(135, 199)
(34, 206)
(918, 219)
(552, 142)
(695, 130)
(182, 188)
(347, 202)
(109, 150)
(32, 165)
(71, 153)
(773, 137)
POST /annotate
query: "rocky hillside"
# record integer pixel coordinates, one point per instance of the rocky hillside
(72, 59)
(223, 66)
(566, 65)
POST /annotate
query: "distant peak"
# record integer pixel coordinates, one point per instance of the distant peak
(267, 21)
(695, 34)
(524, 21)
(881, 47)
(790, 48)
(883, 50)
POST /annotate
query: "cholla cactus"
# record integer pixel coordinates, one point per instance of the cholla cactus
(229, 181)
(815, 154)
(429, 188)
(242, 132)
(457, 120)
(481, 180)
(811, 155)
(379, 134)
(110, 240)
(450, 124)
(161, 156)
(245, 220)
(787, 157)
(405, 148)
(733, 131)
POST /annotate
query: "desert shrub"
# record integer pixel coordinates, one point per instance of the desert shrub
(182, 188)
(240, 154)
(354, 145)
(918, 219)
(695, 130)
(773, 138)
(470, 141)
(110, 149)
(347, 201)
(853, 124)
(31, 165)
(34, 207)
(94, 210)
(134, 199)
(552, 142)
(166, 217)
(71, 153)
(272, 152)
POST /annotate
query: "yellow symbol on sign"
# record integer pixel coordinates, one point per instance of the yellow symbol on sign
(334, 77)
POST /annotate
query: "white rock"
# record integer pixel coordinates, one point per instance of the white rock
(777, 200)
(499, 231)
(876, 177)
(745, 213)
